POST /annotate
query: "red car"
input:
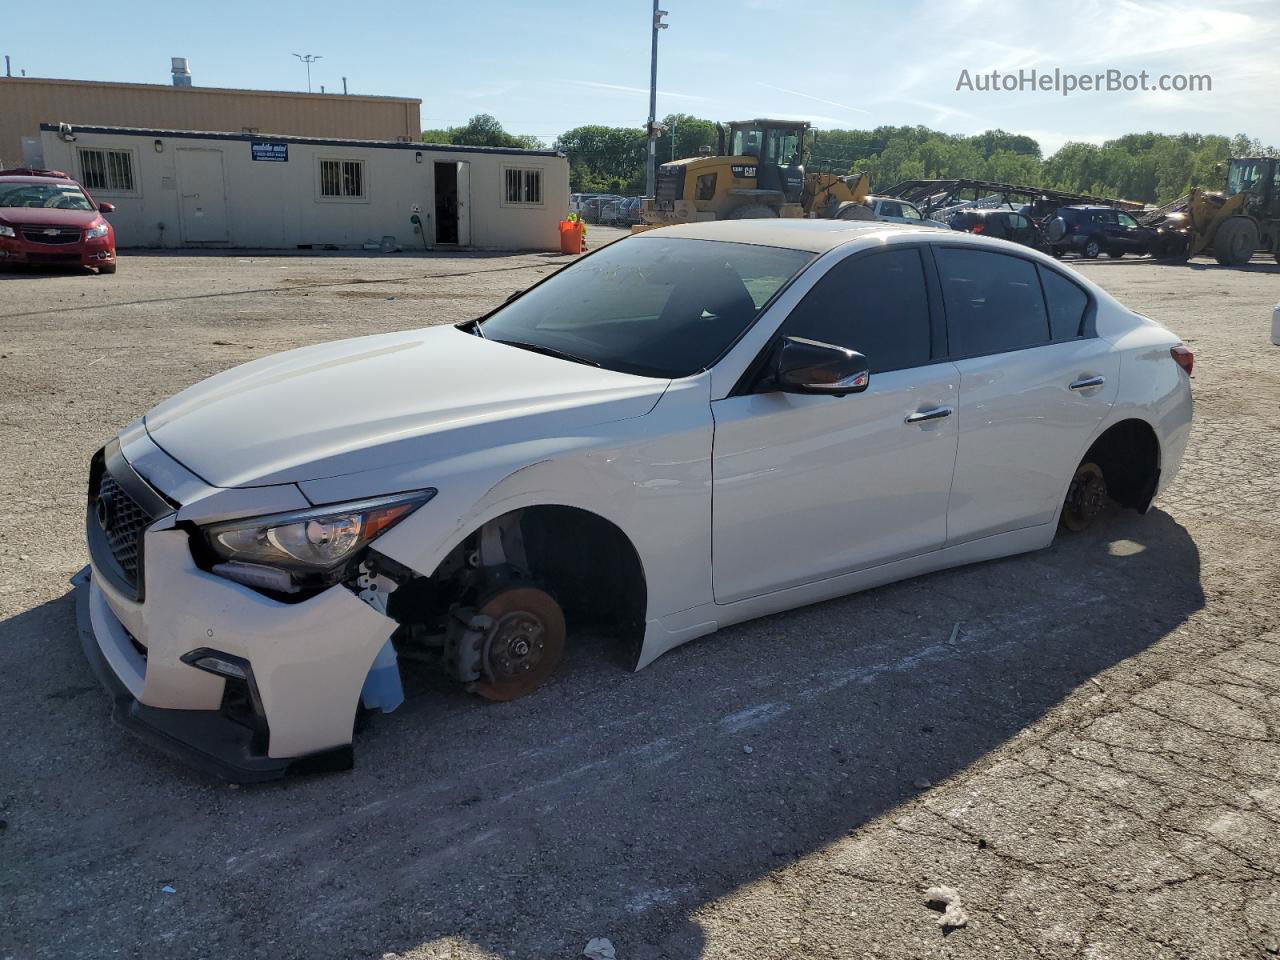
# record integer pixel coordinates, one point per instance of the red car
(48, 218)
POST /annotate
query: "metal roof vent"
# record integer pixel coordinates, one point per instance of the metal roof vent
(181, 72)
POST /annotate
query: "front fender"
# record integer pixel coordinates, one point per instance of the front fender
(649, 476)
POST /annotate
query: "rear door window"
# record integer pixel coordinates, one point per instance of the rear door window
(1067, 304)
(993, 302)
(875, 304)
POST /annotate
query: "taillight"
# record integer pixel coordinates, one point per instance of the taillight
(1184, 358)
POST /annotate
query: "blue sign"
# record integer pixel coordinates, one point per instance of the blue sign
(278, 152)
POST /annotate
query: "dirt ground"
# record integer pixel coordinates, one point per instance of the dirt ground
(1081, 741)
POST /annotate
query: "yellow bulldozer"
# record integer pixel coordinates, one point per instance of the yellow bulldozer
(758, 172)
(1232, 224)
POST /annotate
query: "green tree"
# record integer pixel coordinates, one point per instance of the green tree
(482, 130)
(604, 159)
(690, 135)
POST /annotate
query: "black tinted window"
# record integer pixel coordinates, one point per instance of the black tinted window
(993, 302)
(1067, 303)
(874, 304)
(650, 305)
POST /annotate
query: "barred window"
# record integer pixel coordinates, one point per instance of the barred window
(107, 169)
(523, 186)
(342, 178)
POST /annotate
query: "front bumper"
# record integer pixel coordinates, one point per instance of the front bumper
(97, 252)
(307, 661)
(207, 740)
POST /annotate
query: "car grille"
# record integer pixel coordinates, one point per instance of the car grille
(120, 509)
(60, 235)
(125, 523)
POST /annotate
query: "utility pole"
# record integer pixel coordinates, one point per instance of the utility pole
(309, 59)
(651, 167)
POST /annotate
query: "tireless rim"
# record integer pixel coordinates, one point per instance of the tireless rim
(1086, 498)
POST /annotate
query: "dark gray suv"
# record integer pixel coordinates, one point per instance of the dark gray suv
(1091, 231)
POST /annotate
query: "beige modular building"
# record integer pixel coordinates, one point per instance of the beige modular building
(27, 102)
(183, 188)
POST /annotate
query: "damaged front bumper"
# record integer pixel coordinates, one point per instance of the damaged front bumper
(288, 677)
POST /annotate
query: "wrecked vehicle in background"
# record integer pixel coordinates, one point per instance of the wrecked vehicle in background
(269, 545)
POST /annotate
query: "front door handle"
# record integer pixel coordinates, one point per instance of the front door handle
(1084, 383)
(933, 413)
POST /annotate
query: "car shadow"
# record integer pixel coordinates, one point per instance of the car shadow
(609, 804)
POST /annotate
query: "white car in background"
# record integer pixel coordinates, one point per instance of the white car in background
(689, 428)
(891, 210)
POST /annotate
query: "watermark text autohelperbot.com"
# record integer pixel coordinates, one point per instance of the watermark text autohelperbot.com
(1066, 83)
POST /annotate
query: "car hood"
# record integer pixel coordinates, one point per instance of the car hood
(48, 217)
(374, 402)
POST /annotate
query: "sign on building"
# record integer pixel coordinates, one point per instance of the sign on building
(278, 152)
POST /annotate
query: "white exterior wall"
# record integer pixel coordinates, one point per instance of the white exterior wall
(270, 204)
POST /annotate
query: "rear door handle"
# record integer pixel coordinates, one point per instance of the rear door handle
(933, 413)
(1084, 383)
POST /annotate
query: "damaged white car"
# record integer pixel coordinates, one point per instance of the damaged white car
(686, 429)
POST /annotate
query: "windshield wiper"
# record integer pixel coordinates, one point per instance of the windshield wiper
(547, 351)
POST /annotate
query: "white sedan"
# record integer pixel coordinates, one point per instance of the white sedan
(686, 429)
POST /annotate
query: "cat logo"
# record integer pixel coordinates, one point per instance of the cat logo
(742, 171)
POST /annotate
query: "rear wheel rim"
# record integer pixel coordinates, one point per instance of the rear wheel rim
(1086, 497)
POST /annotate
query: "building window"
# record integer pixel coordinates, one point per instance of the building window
(342, 179)
(107, 170)
(523, 186)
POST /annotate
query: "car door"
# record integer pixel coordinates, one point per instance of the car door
(1132, 237)
(1020, 229)
(809, 487)
(1035, 381)
(889, 210)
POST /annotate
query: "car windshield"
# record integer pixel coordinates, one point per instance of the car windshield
(653, 306)
(55, 196)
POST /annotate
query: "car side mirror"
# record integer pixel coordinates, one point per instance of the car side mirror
(808, 366)
(106, 208)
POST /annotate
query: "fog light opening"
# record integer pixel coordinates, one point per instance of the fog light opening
(223, 664)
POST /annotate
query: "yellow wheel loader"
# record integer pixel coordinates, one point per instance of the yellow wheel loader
(759, 172)
(1232, 225)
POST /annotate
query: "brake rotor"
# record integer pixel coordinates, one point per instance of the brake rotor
(524, 645)
(1086, 497)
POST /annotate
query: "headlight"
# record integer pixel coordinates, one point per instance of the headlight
(6, 231)
(97, 230)
(311, 545)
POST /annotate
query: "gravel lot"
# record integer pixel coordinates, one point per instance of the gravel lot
(1090, 759)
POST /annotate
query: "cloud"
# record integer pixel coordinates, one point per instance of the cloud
(645, 90)
(809, 96)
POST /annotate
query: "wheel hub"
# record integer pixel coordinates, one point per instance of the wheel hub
(524, 645)
(516, 646)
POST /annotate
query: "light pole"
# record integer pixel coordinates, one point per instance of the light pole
(309, 59)
(651, 167)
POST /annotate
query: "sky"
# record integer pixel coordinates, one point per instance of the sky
(544, 66)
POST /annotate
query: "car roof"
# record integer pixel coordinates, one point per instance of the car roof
(38, 180)
(815, 236)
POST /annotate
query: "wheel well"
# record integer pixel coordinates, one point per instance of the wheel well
(1129, 455)
(589, 565)
(584, 561)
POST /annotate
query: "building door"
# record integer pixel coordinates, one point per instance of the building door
(453, 203)
(203, 196)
